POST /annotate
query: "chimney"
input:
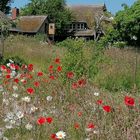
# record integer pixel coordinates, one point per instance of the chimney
(15, 13)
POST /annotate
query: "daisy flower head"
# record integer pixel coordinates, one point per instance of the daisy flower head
(96, 93)
(61, 135)
(29, 126)
(49, 98)
(19, 114)
(26, 99)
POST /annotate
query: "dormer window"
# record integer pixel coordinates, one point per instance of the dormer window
(82, 26)
(78, 26)
(74, 26)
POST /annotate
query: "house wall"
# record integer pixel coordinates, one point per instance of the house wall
(44, 28)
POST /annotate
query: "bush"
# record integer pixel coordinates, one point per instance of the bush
(119, 44)
(82, 57)
(40, 37)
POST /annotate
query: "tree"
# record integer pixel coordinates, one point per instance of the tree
(5, 6)
(128, 24)
(55, 9)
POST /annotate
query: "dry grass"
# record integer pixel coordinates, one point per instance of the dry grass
(32, 50)
(119, 64)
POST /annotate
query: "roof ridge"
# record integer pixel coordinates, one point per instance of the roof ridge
(90, 5)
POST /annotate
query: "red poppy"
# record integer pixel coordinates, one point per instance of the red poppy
(8, 71)
(107, 108)
(17, 67)
(36, 84)
(40, 74)
(41, 120)
(53, 136)
(80, 114)
(23, 67)
(8, 76)
(57, 61)
(76, 125)
(82, 82)
(29, 76)
(16, 80)
(70, 74)
(3, 67)
(91, 126)
(129, 101)
(49, 120)
(22, 75)
(24, 81)
(51, 68)
(30, 90)
(52, 77)
(59, 68)
(99, 102)
(12, 66)
(30, 67)
(74, 85)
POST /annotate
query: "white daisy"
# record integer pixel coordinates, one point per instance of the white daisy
(15, 87)
(20, 114)
(5, 138)
(1, 88)
(15, 95)
(49, 98)
(87, 139)
(26, 99)
(13, 73)
(22, 80)
(8, 64)
(8, 126)
(33, 109)
(60, 134)
(5, 101)
(12, 121)
(10, 115)
(96, 93)
(11, 61)
(1, 133)
(28, 126)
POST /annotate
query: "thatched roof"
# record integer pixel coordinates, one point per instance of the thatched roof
(87, 12)
(29, 24)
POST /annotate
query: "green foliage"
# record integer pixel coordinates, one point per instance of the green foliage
(5, 6)
(55, 9)
(40, 37)
(127, 23)
(81, 57)
(119, 44)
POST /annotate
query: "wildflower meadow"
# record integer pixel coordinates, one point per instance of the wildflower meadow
(37, 105)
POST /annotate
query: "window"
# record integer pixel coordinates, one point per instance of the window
(70, 26)
(51, 27)
(74, 26)
(78, 26)
(82, 26)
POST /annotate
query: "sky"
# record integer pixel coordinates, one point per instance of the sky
(112, 5)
